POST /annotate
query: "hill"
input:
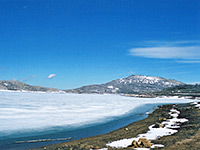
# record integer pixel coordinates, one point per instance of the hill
(129, 85)
(20, 86)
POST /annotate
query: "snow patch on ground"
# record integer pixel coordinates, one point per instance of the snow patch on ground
(110, 87)
(154, 133)
(5, 84)
(197, 104)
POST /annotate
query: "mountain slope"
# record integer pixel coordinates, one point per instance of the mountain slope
(131, 84)
(16, 85)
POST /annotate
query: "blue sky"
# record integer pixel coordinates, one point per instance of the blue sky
(70, 43)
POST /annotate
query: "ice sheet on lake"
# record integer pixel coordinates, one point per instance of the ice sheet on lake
(25, 111)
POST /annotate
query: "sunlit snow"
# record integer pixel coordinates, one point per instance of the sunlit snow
(154, 133)
(24, 111)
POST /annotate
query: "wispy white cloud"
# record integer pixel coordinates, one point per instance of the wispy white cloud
(184, 51)
(51, 76)
(189, 52)
(190, 61)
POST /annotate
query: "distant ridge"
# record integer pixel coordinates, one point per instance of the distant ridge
(15, 85)
(129, 85)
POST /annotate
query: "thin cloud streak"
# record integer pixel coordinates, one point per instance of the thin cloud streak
(189, 61)
(188, 52)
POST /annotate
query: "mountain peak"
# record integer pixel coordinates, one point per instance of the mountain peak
(130, 84)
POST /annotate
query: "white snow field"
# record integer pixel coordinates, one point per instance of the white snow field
(27, 111)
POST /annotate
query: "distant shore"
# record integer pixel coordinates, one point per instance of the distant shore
(186, 138)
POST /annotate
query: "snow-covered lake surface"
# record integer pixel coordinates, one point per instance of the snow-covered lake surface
(24, 112)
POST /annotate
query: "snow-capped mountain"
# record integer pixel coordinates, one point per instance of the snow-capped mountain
(131, 84)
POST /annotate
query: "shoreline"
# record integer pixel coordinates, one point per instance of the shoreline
(87, 131)
(110, 107)
(97, 142)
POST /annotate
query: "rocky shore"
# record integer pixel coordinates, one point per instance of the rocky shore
(186, 136)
